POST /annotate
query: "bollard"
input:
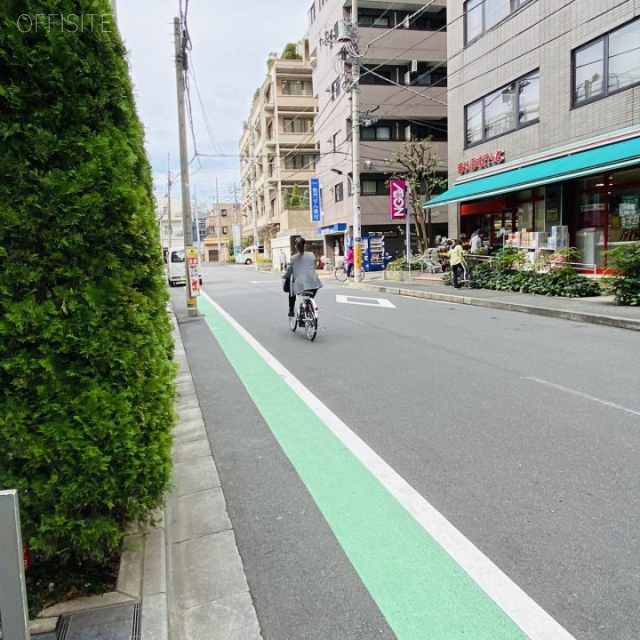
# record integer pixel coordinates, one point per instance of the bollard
(13, 591)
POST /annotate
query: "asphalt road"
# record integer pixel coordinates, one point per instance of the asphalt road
(522, 431)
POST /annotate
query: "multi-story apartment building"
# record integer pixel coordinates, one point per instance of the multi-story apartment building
(219, 231)
(278, 153)
(402, 95)
(544, 114)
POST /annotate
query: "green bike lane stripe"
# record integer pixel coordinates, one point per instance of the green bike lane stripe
(384, 527)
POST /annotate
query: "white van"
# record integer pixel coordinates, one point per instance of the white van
(248, 254)
(176, 268)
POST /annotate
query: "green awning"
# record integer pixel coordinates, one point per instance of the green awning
(574, 165)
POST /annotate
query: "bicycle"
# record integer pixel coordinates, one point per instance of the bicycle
(305, 315)
(341, 273)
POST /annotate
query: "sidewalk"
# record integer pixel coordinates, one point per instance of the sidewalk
(599, 310)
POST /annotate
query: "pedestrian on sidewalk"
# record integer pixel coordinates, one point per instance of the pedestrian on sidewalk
(456, 258)
(350, 262)
(476, 241)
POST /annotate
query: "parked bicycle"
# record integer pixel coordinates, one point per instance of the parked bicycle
(305, 315)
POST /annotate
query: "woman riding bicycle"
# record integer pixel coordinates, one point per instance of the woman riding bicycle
(303, 270)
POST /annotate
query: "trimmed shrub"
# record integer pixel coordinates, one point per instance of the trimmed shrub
(86, 370)
(625, 284)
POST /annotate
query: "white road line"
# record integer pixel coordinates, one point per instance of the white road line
(586, 396)
(369, 302)
(527, 614)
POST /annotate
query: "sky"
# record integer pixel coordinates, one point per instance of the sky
(230, 44)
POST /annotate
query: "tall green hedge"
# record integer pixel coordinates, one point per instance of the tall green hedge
(86, 355)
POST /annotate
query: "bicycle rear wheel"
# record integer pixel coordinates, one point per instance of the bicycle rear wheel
(341, 274)
(310, 321)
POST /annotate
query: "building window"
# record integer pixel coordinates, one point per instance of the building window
(339, 192)
(335, 89)
(374, 187)
(335, 141)
(225, 231)
(507, 109)
(607, 65)
(300, 161)
(298, 125)
(223, 212)
(312, 13)
(373, 19)
(429, 74)
(296, 88)
(482, 15)
(376, 133)
(378, 75)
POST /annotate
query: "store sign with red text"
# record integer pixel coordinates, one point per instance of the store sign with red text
(481, 162)
(398, 199)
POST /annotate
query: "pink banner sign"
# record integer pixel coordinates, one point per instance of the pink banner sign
(398, 199)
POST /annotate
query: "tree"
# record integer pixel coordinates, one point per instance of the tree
(86, 353)
(421, 168)
(291, 52)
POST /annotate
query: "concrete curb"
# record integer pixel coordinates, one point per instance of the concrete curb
(577, 316)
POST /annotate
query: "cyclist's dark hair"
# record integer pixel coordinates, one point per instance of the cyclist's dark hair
(300, 244)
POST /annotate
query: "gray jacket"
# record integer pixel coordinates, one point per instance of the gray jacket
(303, 269)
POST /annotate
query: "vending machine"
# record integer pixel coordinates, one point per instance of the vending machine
(373, 252)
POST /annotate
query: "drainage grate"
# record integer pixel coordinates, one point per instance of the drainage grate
(136, 632)
(121, 622)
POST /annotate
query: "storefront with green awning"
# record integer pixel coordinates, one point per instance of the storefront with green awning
(585, 195)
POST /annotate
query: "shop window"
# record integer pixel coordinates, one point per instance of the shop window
(507, 109)
(624, 206)
(607, 65)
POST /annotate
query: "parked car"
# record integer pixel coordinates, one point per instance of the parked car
(248, 254)
(176, 269)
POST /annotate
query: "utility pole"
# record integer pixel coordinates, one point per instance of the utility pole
(355, 141)
(218, 221)
(254, 195)
(197, 210)
(181, 67)
(169, 198)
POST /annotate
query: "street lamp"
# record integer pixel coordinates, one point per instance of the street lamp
(341, 173)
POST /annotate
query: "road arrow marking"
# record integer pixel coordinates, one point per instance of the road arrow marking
(368, 302)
